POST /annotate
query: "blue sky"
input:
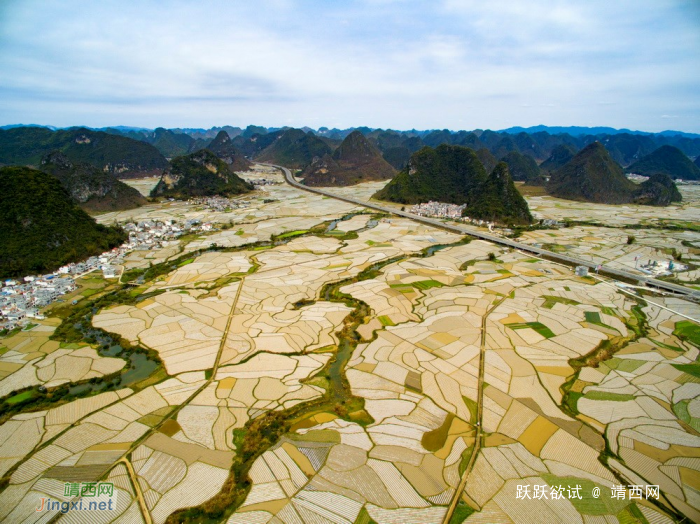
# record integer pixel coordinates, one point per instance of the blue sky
(382, 63)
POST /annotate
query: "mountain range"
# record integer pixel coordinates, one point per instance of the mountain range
(118, 155)
(356, 160)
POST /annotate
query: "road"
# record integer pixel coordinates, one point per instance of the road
(566, 259)
(479, 417)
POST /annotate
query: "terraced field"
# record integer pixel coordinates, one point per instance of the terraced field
(362, 370)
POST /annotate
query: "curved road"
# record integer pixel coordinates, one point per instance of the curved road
(651, 282)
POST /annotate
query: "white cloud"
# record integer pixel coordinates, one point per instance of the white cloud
(376, 62)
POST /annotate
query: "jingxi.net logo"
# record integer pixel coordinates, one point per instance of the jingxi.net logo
(83, 496)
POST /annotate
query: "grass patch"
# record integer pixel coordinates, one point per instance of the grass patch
(687, 330)
(537, 326)
(290, 234)
(593, 317)
(385, 320)
(666, 346)
(550, 301)
(462, 511)
(464, 461)
(185, 262)
(21, 397)
(435, 439)
(364, 518)
(472, 407)
(607, 395)
(692, 369)
(426, 284)
(626, 365)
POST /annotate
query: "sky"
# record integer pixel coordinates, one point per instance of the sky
(400, 64)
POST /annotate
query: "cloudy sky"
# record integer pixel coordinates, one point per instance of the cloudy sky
(401, 64)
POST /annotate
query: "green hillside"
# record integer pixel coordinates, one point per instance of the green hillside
(455, 175)
(171, 144)
(92, 189)
(447, 173)
(294, 149)
(497, 200)
(523, 168)
(222, 146)
(592, 176)
(487, 159)
(114, 154)
(560, 155)
(668, 160)
(199, 174)
(356, 160)
(659, 190)
(43, 228)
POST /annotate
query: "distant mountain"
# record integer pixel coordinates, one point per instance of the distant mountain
(487, 159)
(523, 168)
(450, 174)
(560, 155)
(397, 157)
(592, 176)
(356, 160)
(294, 149)
(571, 130)
(625, 148)
(43, 228)
(222, 146)
(171, 144)
(581, 131)
(13, 126)
(658, 190)
(697, 161)
(92, 189)
(118, 155)
(253, 130)
(668, 160)
(199, 174)
(497, 200)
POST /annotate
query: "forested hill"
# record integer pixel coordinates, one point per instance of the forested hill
(93, 189)
(593, 176)
(118, 155)
(199, 174)
(456, 175)
(668, 160)
(43, 228)
(356, 160)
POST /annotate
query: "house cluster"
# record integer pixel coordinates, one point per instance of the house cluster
(221, 204)
(449, 211)
(21, 300)
(438, 209)
(263, 182)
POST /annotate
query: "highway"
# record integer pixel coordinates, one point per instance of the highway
(558, 257)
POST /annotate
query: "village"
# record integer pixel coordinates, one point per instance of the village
(21, 299)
